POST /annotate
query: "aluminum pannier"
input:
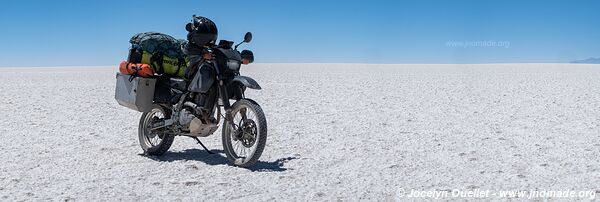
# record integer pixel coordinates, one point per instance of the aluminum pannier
(135, 93)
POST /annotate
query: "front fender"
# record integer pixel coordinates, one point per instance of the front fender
(246, 81)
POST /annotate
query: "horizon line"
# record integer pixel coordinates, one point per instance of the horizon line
(308, 63)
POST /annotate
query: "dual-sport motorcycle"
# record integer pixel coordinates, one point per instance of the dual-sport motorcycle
(192, 114)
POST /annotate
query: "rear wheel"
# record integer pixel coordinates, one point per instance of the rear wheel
(245, 141)
(158, 141)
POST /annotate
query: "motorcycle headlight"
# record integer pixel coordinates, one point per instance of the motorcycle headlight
(233, 65)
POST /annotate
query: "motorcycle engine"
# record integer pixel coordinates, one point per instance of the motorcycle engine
(195, 125)
(186, 117)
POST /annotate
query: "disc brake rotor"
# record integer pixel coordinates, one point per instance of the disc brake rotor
(249, 133)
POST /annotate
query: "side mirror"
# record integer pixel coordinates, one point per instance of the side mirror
(247, 57)
(248, 37)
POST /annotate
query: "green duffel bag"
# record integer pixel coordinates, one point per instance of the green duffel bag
(162, 52)
(165, 65)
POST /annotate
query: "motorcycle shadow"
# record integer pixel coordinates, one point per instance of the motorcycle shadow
(219, 158)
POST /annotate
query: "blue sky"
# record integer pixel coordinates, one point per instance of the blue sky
(76, 32)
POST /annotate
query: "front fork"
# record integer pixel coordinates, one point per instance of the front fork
(225, 99)
(227, 106)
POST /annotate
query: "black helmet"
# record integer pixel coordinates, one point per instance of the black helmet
(201, 31)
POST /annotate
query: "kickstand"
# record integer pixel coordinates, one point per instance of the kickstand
(198, 140)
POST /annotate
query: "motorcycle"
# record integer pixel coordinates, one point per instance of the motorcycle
(193, 114)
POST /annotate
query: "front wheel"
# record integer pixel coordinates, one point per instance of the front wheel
(154, 141)
(245, 140)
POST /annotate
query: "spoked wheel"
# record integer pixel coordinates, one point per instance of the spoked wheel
(154, 141)
(245, 141)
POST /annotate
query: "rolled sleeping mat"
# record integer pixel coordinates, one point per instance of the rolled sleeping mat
(139, 69)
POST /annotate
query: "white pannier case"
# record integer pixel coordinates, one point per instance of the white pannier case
(136, 93)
